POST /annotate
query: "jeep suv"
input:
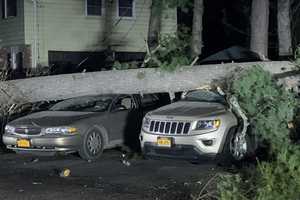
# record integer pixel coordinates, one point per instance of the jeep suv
(200, 125)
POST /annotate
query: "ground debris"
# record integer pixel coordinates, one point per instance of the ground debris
(177, 191)
(62, 172)
(33, 160)
(37, 183)
(124, 160)
(65, 173)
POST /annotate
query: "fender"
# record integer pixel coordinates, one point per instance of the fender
(225, 137)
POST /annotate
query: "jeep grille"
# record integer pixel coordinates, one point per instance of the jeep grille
(166, 127)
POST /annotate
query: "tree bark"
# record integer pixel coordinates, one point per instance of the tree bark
(154, 23)
(260, 27)
(284, 27)
(196, 45)
(144, 80)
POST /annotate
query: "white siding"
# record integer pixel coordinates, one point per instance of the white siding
(63, 26)
(12, 28)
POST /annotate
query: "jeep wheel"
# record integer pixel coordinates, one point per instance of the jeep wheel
(92, 145)
(227, 158)
(238, 147)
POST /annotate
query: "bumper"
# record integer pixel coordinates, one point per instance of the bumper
(190, 147)
(185, 152)
(44, 144)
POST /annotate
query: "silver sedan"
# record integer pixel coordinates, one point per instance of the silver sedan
(86, 125)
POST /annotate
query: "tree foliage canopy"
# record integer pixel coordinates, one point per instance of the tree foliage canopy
(270, 109)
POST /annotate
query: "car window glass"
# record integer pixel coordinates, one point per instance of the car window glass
(149, 99)
(155, 100)
(84, 104)
(204, 96)
(123, 103)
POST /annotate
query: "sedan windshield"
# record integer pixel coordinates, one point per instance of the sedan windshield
(84, 104)
(204, 96)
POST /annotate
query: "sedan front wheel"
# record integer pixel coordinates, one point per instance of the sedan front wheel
(92, 145)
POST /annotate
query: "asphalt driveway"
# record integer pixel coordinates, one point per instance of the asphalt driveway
(27, 177)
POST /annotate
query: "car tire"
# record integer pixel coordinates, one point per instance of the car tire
(92, 145)
(226, 158)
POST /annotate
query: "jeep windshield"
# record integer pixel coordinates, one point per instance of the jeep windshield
(84, 104)
(204, 96)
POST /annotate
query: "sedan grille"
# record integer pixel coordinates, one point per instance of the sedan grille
(167, 127)
(28, 130)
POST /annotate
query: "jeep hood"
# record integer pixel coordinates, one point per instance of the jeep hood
(190, 109)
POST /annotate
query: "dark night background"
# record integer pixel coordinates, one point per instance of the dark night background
(227, 23)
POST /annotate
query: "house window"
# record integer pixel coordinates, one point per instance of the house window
(9, 8)
(94, 7)
(126, 8)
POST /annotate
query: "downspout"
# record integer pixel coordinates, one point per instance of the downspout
(35, 36)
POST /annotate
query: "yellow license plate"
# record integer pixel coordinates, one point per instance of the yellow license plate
(23, 143)
(164, 142)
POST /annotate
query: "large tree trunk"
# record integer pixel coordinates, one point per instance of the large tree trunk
(146, 80)
(196, 45)
(260, 27)
(154, 23)
(284, 28)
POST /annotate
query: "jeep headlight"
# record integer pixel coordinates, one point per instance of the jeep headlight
(208, 124)
(146, 123)
(61, 130)
(9, 129)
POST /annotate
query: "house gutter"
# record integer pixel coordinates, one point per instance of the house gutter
(35, 36)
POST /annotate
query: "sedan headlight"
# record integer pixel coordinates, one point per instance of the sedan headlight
(9, 129)
(61, 130)
(146, 123)
(208, 124)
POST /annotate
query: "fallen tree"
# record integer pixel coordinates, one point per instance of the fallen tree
(144, 80)
(271, 112)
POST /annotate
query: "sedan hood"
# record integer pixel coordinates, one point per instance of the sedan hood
(190, 109)
(52, 118)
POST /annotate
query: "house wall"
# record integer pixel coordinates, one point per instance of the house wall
(12, 38)
(63, 26)
(12, 29)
